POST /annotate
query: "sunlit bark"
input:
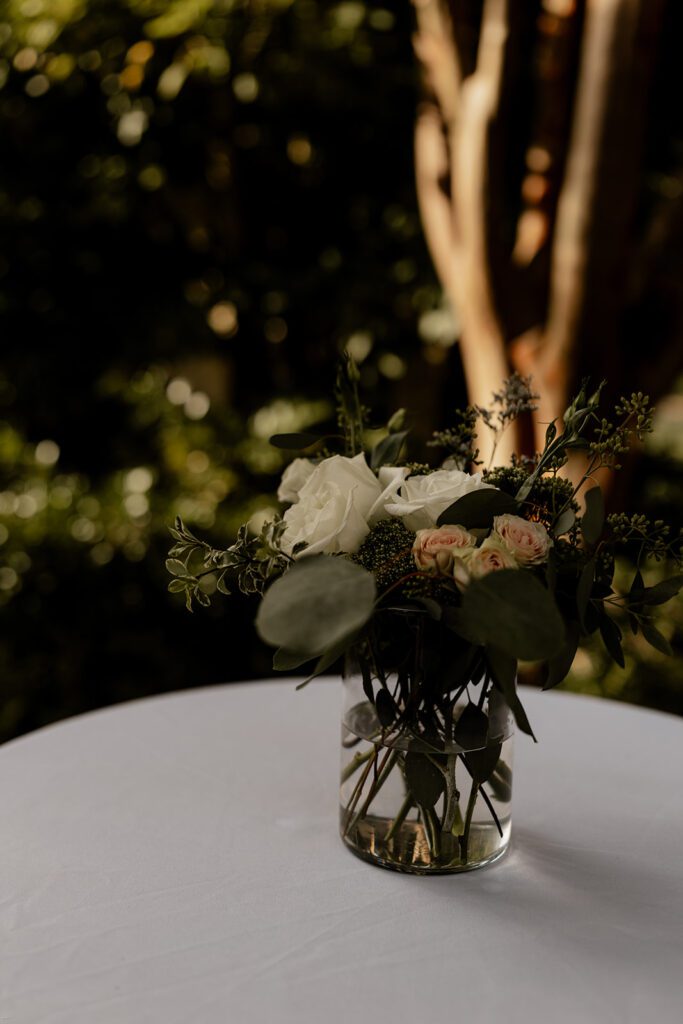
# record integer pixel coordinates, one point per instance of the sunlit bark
(529, 160)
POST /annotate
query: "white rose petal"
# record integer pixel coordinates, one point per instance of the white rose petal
(293, 479)
(390, 479)
(422, 499)
(335, 506)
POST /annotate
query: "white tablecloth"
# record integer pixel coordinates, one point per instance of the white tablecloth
(176, 861)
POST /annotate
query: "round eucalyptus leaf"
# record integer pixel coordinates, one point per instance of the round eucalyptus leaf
(423, 779)
(514, 612)
(478, 508)
(317, 603)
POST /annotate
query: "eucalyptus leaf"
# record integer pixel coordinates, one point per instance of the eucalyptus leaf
(432, 607)
(503, 668)
(655, 638)
(662, 592)
(328, 658)
(367, 680)
(387, 711)
(295, 442)
(387, 451)
(481, 763)
(472, 728)
(423, 779)
(470, 630)
(513, 611)
(477, 509)
(584, 588)
(458, 669)
(564, 522)
(559, 666)
(317, 603)
(501, 783)
(176, 586)
(498, 712)
(284, 660)
(611, 637)
(593, 518)
(637, 587)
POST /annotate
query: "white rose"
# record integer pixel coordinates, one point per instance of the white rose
(422, 499)
(527, 542)
(293, 479)
(337, 505)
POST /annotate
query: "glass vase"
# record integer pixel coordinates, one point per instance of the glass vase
(429, 793)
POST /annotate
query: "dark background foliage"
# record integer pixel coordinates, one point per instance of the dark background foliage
(200, 204)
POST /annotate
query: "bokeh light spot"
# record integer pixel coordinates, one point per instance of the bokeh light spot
(47, 452)
(8, 578)
(136, 505)
(138, 480)
(178, 391)
(359, 345)
(275, 329)
(299, 150)
(37, 85)
(197, 461)
(245, 87)
(25, 59)
(197, 405)
(222, 319)
(152, 177)
(391, 366)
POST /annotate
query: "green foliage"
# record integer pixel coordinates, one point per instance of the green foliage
(514, 612)
(477, 509)
(254, 559)
(320, 602)
(515, 398)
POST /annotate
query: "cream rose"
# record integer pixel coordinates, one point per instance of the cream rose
(435, 549)
(337, 504)
(293, 479)
(527, 542)
(474, 563)
(422, 499)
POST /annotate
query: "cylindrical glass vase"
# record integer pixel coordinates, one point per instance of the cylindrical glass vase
(422, 797)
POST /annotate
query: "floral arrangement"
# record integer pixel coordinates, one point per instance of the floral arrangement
(436, 581)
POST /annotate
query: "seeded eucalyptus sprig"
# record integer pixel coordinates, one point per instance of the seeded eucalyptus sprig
(253, 560)
(351, 413)
(515, 398)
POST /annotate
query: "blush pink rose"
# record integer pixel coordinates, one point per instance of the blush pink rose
(527, 542)
(474, 563)
(435, 549)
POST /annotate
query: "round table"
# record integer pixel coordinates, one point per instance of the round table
(176, 861)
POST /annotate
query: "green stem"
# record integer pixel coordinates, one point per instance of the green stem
(465, 837)
(452, 795)
(384, 773)
(431, 826)
(354, 764)
(355, 795)
(400, 817)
